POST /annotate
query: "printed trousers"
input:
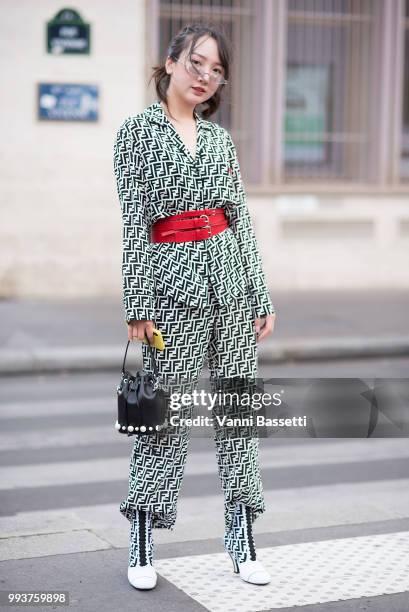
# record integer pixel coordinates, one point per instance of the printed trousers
(224, 337)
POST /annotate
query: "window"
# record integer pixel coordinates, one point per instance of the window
(404, 162)
(313, 85)
(235, 18)
(328, 84)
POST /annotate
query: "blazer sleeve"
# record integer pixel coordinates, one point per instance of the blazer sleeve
(242, 226)
(137, 277)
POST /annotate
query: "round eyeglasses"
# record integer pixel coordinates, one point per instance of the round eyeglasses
(193, 68)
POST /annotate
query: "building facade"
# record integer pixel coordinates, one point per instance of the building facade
(317, 105)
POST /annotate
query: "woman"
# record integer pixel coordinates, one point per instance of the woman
(192, 269)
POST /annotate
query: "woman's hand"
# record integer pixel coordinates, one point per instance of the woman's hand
(136, 329)
(264, 326)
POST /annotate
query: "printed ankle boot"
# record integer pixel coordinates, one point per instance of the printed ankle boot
(141, 573)
(239, 543)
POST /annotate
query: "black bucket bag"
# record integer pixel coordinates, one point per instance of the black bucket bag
(142, 405)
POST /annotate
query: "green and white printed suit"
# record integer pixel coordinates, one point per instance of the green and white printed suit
(203, 295)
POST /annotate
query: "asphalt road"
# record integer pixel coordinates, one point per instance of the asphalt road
(335, 534)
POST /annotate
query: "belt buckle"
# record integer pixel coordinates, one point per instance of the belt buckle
(209, 228)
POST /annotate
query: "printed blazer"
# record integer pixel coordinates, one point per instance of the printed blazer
(157, 176)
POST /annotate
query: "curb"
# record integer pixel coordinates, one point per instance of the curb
(99, 357)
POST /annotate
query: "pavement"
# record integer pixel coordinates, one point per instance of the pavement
(90, 334)
(334, 536)
(335, 533)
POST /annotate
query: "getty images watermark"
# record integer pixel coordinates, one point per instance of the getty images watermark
(290, 407)
(248, 401)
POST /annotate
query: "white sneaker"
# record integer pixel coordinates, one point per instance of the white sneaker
(142, 576)
(251, 571)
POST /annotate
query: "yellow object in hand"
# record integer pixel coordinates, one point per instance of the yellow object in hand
(157, 340)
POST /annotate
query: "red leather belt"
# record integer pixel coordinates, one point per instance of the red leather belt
(190, 225)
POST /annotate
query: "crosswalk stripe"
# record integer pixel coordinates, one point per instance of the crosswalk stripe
(102, 434)
(286, 510)
(198, 463)
(21, 410)
(51, 544)
(68, 436)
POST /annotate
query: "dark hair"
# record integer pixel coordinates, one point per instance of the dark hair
(190, 34)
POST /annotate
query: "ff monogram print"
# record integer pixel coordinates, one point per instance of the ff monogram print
(203, 295)
(157, 177)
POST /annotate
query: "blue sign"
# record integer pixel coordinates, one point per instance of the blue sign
(67, 102)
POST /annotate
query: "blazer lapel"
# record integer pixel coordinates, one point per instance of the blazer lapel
(156, 114)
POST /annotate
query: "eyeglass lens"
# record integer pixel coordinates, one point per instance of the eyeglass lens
(195, 70)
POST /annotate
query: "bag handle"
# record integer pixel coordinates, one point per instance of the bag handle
(152, 355)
